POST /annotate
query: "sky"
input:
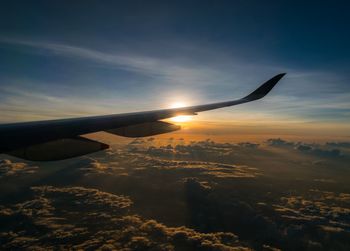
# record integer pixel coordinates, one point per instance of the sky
(78, 58)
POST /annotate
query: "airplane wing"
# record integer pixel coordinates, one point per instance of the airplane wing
(60, 139)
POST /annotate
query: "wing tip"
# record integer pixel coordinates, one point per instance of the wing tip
(265, 88)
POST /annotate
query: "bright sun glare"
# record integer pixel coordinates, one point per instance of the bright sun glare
(180, 118)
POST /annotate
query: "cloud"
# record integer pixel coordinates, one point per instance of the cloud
(279, 142)
(154, 160)
(338, 144)
(269, 248)
(137, 141)
(90, 165)
(322, 209)
(249, 144)
(203, 193)
(314, 219)
(92, 197)
(325, 180)
(30, 99)
(173, 76)
(204, 158)
(85, 218)
(10, 168)
(325, 153)
(180, 73)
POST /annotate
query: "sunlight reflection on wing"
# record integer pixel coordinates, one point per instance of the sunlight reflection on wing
(180, 118)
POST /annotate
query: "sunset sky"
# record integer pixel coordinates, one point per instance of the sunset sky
(68, 60)
(272, 174)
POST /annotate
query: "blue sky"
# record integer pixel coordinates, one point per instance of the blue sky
(65, 59)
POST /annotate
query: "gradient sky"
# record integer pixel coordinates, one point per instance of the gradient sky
(78, 58)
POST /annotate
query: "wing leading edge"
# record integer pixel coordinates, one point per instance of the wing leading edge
(28, 134)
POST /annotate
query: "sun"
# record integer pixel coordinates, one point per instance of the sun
(180, 118)
(178, 104)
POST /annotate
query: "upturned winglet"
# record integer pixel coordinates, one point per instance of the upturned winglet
(265, 88)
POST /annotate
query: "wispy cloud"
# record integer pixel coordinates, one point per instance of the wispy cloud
(21, 104)
(155, 67)
(303, 96)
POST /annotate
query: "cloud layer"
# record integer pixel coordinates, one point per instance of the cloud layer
(174, 194)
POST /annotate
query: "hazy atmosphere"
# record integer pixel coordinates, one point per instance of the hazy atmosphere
(267, 175)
